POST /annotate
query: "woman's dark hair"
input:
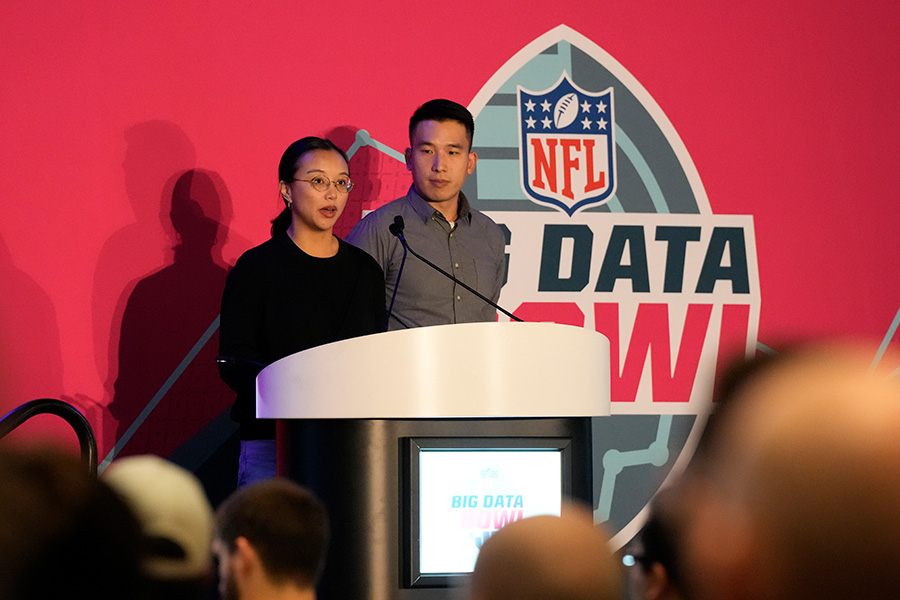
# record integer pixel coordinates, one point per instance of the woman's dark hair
(287, 168)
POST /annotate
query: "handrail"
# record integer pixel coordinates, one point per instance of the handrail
(69, 413)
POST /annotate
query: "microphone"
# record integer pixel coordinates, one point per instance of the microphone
(396, 228)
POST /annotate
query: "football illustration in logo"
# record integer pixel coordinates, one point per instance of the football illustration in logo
(567, 149)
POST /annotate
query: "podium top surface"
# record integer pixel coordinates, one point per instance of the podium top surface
(471, 370)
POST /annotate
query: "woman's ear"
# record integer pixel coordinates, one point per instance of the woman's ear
(285, 193)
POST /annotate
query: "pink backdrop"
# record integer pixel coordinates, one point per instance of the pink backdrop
(111, 261)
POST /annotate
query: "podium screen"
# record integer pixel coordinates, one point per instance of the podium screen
(464, 490)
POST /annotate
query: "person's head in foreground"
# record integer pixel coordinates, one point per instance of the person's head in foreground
(548, 558)
(270, 539)
(798, 492)
(657, 571)
(176, 519)
(63, 532)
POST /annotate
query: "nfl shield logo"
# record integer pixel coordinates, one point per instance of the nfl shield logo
(567, 145)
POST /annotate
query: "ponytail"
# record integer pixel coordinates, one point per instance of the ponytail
(281, 223)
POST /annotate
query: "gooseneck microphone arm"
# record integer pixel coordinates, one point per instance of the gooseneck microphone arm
(396, 228)
(398, 231)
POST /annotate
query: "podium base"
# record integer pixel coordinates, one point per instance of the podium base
(360, 470)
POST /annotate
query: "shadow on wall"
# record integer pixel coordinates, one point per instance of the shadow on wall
(158, 289)
(377, 177)
(31, 364)
(155, 152)
(168, 340)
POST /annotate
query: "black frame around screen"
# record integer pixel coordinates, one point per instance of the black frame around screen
(412, 576)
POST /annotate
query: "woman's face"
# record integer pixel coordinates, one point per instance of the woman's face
(311, 209)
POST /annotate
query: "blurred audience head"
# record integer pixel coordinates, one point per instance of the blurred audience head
(64, 533)
(797, 489)
(657, 570)
(270, 537)
(177, 523)
(548, 558)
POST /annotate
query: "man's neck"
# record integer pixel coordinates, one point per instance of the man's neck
(269, 591)
(448, 208)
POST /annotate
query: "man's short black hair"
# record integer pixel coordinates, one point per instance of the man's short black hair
(443, 110)
(285, 523)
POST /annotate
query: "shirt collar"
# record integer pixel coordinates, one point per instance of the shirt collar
(425, 210)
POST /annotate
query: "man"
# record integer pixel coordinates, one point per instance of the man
(439, 225)
(547, 558)
(270, 539)
(656, 561)
(177, 522)
(797, 491)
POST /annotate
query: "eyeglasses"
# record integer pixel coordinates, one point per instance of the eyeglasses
(320, 183)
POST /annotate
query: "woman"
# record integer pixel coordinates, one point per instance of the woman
(302, 288)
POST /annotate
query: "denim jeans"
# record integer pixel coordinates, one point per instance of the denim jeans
(257, 461)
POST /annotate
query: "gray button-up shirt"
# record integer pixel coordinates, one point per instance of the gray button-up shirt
(473, 251)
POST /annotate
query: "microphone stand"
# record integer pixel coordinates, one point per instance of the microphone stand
(397, 229)
(387, 317)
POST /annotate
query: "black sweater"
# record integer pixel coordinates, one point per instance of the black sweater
(278, 300)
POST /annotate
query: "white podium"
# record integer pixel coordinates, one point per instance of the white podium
(506, 370)
(352, 416)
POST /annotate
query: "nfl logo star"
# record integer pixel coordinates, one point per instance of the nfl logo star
(567, 146)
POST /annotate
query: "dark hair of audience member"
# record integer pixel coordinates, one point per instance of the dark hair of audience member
(64, 533)
(284, 522)
(737, 373)
(661, 538)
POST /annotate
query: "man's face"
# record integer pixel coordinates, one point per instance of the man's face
(440, 160)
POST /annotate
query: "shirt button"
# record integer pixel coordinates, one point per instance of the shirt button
(455, 265)
(459, 298)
